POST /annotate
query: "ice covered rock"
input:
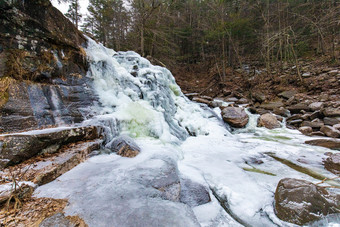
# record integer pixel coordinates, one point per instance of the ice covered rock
(193, 193)
(269, 121)
(15, 148)
(124, 146)
(332, 163)
(235, 116)
(299, 201)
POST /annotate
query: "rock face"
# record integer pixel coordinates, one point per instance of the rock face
(15, 148)
(332, 163)
(299, 201)
(235, 116)
(269, 121)
(43, 80)
(124, 146)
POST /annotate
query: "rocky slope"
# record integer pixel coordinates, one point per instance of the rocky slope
(43, 68)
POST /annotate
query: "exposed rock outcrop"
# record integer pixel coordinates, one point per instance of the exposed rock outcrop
(300, 202)
(43, 79)
(15, 148)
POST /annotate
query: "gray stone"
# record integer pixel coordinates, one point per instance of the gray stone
(314, 125)
(15, 148)
(332, 163)
(259, 97)
(331, 112)
(272, 105)
(235, 116)
(57, 220)
(331, 121)
(306, 130)
(124, 146)
(300, 202)
(328, 143)
(295, 109)
(269, 121)
(193, 193)
(316, 106)
(330, 131)
(287, 94)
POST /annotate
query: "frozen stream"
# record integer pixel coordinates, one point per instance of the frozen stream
(143, 101)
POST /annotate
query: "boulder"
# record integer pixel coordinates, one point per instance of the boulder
(317, 133)
(331, 112)
(331, 120)
(259, 97)
(201, 100)
(316, 106)
(315, 114)
(282, 112)
(337, 126)
(15, 148)
(287, 94)
(124, 146)
(300, 202)
(235, 117)
(193, 194)
(314, 125)
(306, 130)
(328, 143)
(330, 131)
(272, 105)
(332, 163)
(297, 108)
(269, 121)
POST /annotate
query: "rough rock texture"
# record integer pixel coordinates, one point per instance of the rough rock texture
(43, 79)
(330, 131)
(235, 116)
(315, 106)
(124, 146)
(269, 121)
(332, 144)
(306, 130)
(15, 148)
(331, 112)
(299, 201)
(332, 163)
(295, 109)
(193, 193)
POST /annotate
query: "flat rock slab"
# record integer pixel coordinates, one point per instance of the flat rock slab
(44, 169)
(328, 143)
(18, 147)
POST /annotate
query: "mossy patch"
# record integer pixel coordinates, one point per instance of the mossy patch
(175, 89)
(255, 170)
(4, 85)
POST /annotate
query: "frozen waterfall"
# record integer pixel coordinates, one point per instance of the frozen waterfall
(179, 141)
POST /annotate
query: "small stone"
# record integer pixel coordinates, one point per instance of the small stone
(306, 130)
(330, 131)
(307, 74)
(331, 112)
(318, 133)
(331, 121)
(124, 146)
(269, 121)
(316, 106)
(287, 94)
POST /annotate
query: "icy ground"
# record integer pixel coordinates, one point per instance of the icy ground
(179, 140)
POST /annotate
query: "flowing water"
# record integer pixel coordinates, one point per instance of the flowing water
(179, 140)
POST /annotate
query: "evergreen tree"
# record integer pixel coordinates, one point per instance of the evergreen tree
(73, 12)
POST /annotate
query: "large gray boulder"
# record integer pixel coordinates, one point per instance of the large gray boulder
(193, 193)
(235, 117)
(269, 121)
(15, 148)
(300, 202)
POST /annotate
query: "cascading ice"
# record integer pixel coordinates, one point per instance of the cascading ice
(144, 98)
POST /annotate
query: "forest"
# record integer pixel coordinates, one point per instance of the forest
(227, 32)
